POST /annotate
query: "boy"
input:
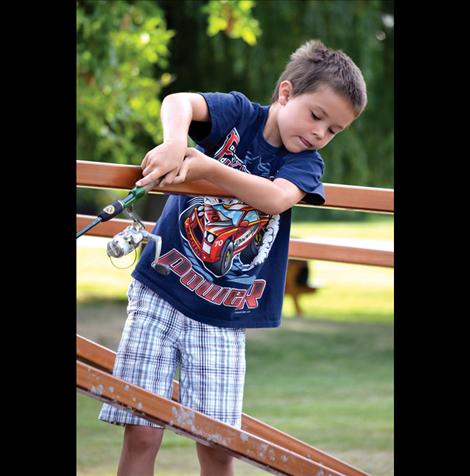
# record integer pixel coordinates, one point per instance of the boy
(227, 257)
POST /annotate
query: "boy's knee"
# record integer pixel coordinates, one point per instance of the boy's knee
(212, 456)
(142, 438)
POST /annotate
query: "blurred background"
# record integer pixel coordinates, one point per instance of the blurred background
(329, 373)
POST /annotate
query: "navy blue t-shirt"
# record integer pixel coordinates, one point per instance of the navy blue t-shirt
(228, 260)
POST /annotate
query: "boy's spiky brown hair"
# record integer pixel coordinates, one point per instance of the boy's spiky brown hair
(313, 65)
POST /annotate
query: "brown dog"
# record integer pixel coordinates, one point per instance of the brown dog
(297, 282)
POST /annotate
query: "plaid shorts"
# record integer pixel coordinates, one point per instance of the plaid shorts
(157, 339)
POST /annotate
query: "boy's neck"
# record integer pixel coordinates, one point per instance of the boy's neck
(271, 130)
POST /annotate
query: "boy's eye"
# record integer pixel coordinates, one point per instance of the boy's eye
(317, 118)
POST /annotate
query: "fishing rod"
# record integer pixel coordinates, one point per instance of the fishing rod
(115, 208)
(128, 239)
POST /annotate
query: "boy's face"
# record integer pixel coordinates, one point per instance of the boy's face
(310, 120)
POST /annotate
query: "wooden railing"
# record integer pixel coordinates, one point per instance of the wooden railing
(256, 442)
(115, 176)
(104, 175)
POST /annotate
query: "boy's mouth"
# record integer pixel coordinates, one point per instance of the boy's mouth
(306, 143)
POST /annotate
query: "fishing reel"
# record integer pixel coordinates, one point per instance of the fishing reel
(131, 237)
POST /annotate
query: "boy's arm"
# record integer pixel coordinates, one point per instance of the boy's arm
(177, 112)
(271, 197)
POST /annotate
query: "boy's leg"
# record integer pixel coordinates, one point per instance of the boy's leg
(139, 450)
(212, 381)
(147, 356)
(214, 462)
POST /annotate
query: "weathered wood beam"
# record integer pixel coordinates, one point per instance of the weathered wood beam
(195, 425)
(103, 358)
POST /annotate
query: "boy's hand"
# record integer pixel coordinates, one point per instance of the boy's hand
(196, 166)
(162, 161)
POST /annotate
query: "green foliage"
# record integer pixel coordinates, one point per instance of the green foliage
(234, 18)
(122, 56)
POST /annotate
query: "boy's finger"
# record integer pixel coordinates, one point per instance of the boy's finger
(149, 178)
(169, 177)
(180, 178)
(144, 162)
(182, 173)
(156, 171)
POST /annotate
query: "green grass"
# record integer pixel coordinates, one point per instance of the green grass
(326, 379)
(378, 228)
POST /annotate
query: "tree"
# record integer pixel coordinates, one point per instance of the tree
(122, 57)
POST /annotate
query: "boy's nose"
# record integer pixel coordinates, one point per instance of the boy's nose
(319, 133)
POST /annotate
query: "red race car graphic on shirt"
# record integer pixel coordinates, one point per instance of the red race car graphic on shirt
(218, 232)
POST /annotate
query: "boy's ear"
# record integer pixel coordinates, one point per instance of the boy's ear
(285, 92)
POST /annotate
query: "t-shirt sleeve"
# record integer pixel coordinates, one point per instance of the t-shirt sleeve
(226, 111)
(305, 170)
